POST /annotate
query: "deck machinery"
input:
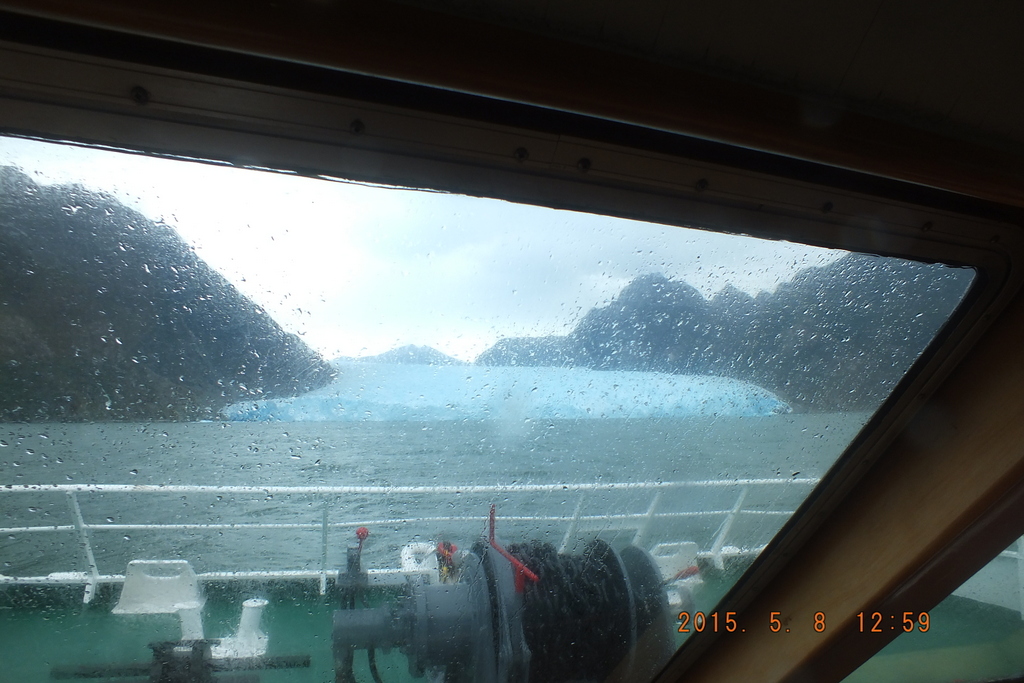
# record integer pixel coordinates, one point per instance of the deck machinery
(518, 615)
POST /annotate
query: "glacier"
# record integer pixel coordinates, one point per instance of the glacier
(384, 391)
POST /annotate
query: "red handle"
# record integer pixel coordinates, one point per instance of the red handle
(521, 571)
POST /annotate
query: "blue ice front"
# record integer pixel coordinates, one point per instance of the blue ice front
(378, 391)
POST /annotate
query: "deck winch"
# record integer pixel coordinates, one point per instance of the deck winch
(583, 616)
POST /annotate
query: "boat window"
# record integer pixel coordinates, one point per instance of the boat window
(256, 419)
(975, 634)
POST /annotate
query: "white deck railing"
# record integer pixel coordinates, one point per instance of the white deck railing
(649, 520)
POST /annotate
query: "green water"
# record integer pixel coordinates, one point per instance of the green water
(384, 454)
(50, 627)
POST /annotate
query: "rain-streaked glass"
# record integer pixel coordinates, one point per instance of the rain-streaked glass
(237, 370)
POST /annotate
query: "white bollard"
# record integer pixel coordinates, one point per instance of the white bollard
(249, 625)
(249, 640)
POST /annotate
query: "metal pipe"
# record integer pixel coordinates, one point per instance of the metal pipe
(642, 529)
(313, 526)
(573, 522)
(323, 557)
(83, 536)
(385, 490)
(716, 547)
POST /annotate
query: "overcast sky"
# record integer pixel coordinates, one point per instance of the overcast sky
(357, 270)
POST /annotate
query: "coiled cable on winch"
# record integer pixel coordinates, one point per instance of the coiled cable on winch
(586, 613)
(580, 618)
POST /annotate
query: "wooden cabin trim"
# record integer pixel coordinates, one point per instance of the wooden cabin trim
(410, 44)
(942, 500)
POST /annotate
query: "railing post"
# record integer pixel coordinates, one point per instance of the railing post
(571, 530)
(323, 556)
(642, 529)
(83, 537)
(716, 547)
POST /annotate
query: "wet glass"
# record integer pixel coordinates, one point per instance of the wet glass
(521, 407)
(975, 634)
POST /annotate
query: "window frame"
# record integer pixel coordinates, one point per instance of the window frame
(51, 94)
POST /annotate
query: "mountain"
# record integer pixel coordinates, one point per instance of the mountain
(406, 355)
(836, 337)
(531, 351)
(106, 315)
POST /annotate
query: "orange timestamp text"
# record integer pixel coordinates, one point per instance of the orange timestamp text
(716, 622)
(726, 622)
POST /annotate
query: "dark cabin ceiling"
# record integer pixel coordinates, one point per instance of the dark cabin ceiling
(916, 91)
(950, 67)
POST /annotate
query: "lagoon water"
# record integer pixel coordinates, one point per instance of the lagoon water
(392, 454)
